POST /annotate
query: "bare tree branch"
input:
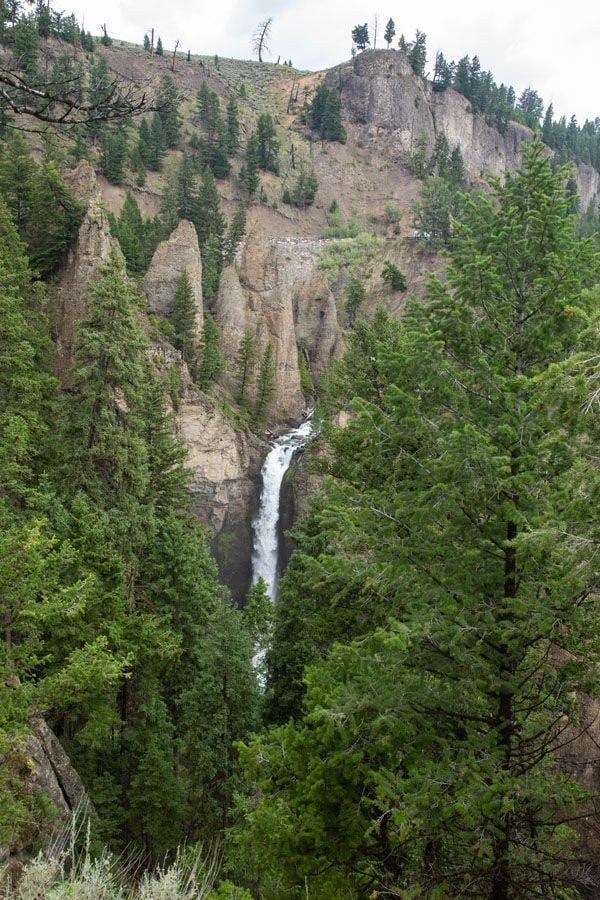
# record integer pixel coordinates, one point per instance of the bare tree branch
(261, 37)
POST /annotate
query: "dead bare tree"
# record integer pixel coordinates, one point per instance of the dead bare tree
(174, 55)
(261, 37)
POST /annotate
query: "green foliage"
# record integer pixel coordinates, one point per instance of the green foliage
(245, 364)
(183, 320)
(233, 125)
(325, 114)
(235, 233)
(137, 238)
(212, 363)
(267, 144)
(434, 213)
(265, 386)
(304, 190)
(167, 101)
(306, 382)
(113, 144)
(44, 211)
(348, 256)
(392, 212)
(439, 585)
(356, 294)
(389, 33)
(159, 47)
(392, 276)
(360, 36)
(249, 172)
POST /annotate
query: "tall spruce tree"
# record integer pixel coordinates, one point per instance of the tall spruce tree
(245, 367)
(265, 386)
(463, 516)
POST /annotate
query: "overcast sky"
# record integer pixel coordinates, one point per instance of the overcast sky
(551, 46)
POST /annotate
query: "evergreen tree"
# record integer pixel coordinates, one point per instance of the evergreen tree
(268, 145)
(245, 366)
(356, 294)
(212, 261)
(233, 126)
(114, 154)
(159, 47)
(305, 189)
(167, 101)
(331, 124)
(212, 363)
(157, 143)
(183, 319)
(249, 172)
(392, 275)
(389, 33)
(265, 386)
(360, 36)
(417, 53)
(456, 170)
(439, 729)
(235, 233)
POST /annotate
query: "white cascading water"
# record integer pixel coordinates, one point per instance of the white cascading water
(265, 556)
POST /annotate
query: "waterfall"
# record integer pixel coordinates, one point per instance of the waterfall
(265, 556)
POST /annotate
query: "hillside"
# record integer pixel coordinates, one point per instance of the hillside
(180, 287)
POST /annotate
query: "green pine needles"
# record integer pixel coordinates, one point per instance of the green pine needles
(445, 587)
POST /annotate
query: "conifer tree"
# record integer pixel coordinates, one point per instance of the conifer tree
(245, 366)
(249, 171)
(146, 43)
(265, 386)
(167, 101)
(212, 363)
(268, 145)
(233, 125)
(183, 319)
(159, 47)
(389, 33)
(356, 294)
(235, 233)
(452, 538)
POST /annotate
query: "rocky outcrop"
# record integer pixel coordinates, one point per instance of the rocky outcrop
(40, 765)
(225, 486)
(275, 290)
(179, 253)
(68, 298)
(397, 109)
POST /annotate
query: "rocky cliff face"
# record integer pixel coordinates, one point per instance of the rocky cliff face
(179, 253)
(276, 291)
(42, 767)
(68, 298)
(225, 486)
(396, 109)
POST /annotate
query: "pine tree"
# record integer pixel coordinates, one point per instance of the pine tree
(249, 171)
(157, 143)
(212, 363)
(167, 101)
(146, 43)
(460, 598)
(331, 124)
(268, 145)
(159, 47)
(212, 261)
(183, 319)
(129, 229)
(265, 386)
(356, 294)
(233, 126)
(235, 233)
(360, 36)
(389, 33)
(245, 366)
